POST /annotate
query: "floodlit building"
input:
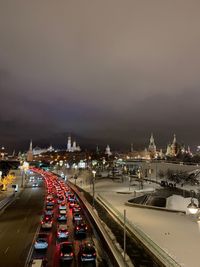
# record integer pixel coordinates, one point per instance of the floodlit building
(108, 151)
(152, 148)
(29, 155)
(72, 147)
(173, 149)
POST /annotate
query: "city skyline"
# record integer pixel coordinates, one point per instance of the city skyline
(74, 69)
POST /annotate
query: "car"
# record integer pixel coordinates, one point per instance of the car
(49, 213)
(46, 222)
(71, 197)
(49, 197)
(77, 217)
(49, 205)
(35, 185)
(71, 204)
(31, 178)
(66, 251)
(76, 208)
(62, 231)
(80, 228)
(62, 206)
(61, 198)
(62, 211)
(62, 218)
(47, 216)
(67, 193)
(41, 242)
(87, 252)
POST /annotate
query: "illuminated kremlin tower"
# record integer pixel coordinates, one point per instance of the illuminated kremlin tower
(72, 147)
(30, 152)
(173, 149)
(152, 147)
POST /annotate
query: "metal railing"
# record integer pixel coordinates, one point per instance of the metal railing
(163, 256)
(115, 254)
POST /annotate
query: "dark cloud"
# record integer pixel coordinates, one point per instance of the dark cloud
(112, 71)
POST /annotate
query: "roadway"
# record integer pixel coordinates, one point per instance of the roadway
(18, 225)
(52, 253)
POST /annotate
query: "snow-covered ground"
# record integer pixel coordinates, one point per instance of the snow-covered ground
(176, 233)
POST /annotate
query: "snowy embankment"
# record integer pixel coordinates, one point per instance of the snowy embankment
(178, 234)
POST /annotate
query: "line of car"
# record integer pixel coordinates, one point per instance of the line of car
(60, 201)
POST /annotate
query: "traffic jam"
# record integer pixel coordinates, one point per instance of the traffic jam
(64, 237)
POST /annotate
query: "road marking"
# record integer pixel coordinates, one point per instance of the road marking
(6, 250)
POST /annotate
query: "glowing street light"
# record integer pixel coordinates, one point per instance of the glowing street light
(193, 208)
(24, 168)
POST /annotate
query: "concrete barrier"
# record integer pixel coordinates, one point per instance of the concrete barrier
(111, 249)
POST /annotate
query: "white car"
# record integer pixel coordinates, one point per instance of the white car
(41, 242)
(62, 231)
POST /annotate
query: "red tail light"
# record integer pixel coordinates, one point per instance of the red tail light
(94, 254)
(61, 254)
(71, 254)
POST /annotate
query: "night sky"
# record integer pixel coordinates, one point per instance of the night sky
(105, 71)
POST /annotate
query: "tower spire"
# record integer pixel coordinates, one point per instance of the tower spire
(174, 140)
(31, 146)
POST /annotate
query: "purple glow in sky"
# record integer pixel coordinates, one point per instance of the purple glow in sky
(113, 71)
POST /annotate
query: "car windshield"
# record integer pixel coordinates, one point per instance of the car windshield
(40, 240)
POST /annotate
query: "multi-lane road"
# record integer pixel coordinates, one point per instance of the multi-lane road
(18, 225)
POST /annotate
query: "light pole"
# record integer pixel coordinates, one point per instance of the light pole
(192, 206)
(93, 188)
(24, 168)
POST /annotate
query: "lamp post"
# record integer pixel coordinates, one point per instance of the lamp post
(24, 168)
(192, 206)
(93, 188)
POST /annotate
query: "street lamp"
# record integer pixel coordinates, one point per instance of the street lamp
(192, 206)
(93, 189)
(24, 169)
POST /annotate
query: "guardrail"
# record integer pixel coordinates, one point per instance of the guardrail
(109, 246)
(29, 260)
(162, 256)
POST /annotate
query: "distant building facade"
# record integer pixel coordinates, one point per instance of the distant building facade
(29, 156)
(72, 146)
